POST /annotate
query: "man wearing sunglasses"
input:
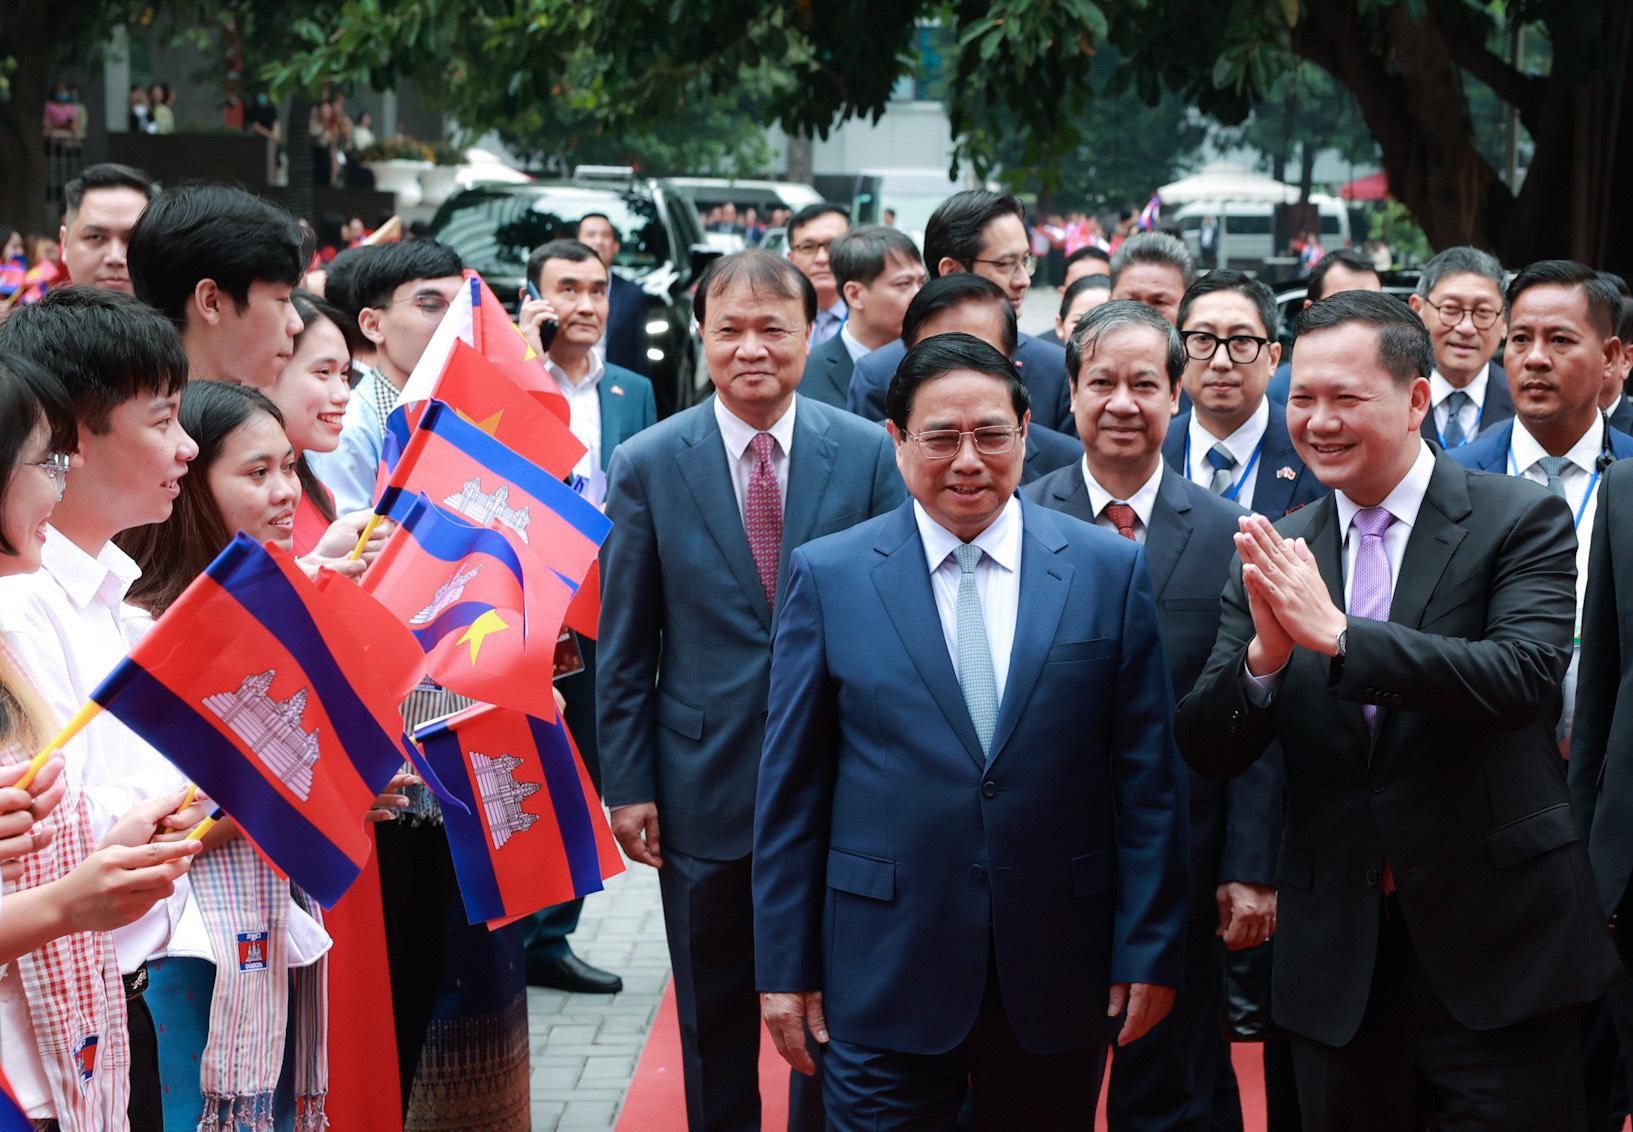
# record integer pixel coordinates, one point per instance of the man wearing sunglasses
(1460, 300)
(1234, 440)
(984, 234)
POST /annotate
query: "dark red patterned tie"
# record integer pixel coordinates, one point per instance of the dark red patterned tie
(1123, 516)
(762, 514)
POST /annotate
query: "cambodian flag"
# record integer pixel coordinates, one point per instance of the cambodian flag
(486, 616)
(464, 470)
(282, 707)
(1151, 213)
(536, 835)
(12, 1117)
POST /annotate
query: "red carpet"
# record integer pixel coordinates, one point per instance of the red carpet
(657, 1101)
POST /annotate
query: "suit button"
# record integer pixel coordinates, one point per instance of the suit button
(977, 872)
(1372, 877)
(989, 789)
(1377, 785)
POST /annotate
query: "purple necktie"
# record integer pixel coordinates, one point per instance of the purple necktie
(762, 514)
(1371, 591)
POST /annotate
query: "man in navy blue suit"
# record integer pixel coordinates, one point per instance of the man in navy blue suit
(625, 333)
(706, 508)
(607, 404)
(984, 234)
(1127, 360)
(878, 270)
(1234, 440)
(1561, 335)
(970, 842)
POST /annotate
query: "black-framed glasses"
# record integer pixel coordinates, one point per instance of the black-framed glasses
(1011, 264)
(943, 444)
(55, 466)
(1240, 348)
(1484, 318)
(812, 247)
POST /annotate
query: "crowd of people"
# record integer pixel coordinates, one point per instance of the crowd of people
(978, 696)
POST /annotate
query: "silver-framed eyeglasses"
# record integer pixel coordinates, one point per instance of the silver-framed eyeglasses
(56, 467)
(1484, 318)
(943, 444)
(1239, 348)
(1011, 264)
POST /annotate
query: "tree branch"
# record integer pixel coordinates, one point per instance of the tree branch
(1521, 91)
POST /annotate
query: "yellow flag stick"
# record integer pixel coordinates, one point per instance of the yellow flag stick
(85, 714)
(198, 831)
(187, 798)
(363, 539)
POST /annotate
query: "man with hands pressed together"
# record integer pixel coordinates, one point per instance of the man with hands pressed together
(1404, 639)
(969, 841)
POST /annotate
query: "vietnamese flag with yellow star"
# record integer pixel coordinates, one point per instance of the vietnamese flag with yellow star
(486, 615)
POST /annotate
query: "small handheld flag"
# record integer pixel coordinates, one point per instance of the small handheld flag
(12, 1116)
(1151, 213)
(257, 691)
(536, 835)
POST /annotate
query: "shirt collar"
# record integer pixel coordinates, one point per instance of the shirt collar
(1404, 502)
(839, 312)
(1440, 388)
(855, 349)
(737, 433)
(1525, 451)
(83, 577)
(590, 379)
(1001, 541)
(1241, 443)
(1143, 500)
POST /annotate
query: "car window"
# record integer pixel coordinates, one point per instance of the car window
(1240, 225)
(495, 232)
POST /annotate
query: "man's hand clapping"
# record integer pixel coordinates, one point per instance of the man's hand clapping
(1287, 595)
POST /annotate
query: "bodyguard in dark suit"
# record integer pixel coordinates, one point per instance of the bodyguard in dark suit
(1436, 920)
(969, 841)
(984, 234)
(1234, 440)
(626, 341)
(1128, 360)
(706, 508)
(879, 271)
(1459, 297)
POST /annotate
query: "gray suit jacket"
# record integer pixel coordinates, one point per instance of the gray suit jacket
(828, 374)
(678, 583)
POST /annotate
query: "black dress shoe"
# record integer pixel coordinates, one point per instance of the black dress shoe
(570, 973)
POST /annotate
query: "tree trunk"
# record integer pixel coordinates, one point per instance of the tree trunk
(799, 158)
(29, 33)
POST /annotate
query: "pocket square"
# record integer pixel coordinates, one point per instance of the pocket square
(616, 390)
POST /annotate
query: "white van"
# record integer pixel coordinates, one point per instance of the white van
(1247, 230)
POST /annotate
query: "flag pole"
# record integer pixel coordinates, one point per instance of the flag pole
(198, 831)
(363, 540)
(85, 714)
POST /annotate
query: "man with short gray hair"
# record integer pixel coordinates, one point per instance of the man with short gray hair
(1153, 268)
(1460, 300)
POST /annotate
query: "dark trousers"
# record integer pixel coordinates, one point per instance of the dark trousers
(1412, 1062)
(1165, 1081)
(880, 1090)
(416, 877)
(146, 1096)
(547, 930)
(1621, 992)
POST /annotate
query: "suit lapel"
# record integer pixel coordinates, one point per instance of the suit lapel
(1173, 445)
(902, 579)
(702, 465)
(1326, 543)
(1046, 578)
(612, 409)
(1272, 490)
(1434, 539)
(1069, 494)
(810, 466)
(1169, 531)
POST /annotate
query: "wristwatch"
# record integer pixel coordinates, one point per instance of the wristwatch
(1343, 643)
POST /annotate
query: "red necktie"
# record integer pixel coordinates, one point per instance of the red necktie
(1123, 516)
(762, 514)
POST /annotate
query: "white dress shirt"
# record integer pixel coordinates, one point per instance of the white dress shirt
(1143, 501)
(738, 433)
(1404, 502)
(855, 349)
(828, 322)
(997, 580)
(1577, 476)
(1440, 389)
(584, 411)
(1242, 444)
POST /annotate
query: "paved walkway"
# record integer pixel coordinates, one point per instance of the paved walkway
(585, 1046)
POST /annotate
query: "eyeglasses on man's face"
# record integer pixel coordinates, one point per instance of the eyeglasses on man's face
(943, 444)
(809, 248)
(1452, 313)
(1013, 265)
(1240, 348)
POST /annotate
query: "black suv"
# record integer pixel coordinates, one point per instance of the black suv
(496, 227)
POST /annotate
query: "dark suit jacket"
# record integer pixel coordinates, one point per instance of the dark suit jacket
(1236, 823)
(1042, 366)
(1499, 407)
(1488, 452)
(1459, 785)
(1601, 763)
(626, 325)
(1281, 482)
(678, 581)
(627, 407)
(1047, 450)
(1051, 338)
(1621, 417)
(890, 854)
(828, 374)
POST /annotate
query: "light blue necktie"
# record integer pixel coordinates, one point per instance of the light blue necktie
(1222, 460)
(1554, 467)
(975, 674)
(1453, 436)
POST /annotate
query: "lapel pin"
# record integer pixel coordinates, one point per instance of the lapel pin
(1286, 474)
(616, 390)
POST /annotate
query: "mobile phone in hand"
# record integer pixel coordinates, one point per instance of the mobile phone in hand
(547, 328)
